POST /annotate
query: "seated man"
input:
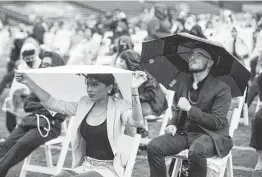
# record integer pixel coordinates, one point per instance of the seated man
(200, 119)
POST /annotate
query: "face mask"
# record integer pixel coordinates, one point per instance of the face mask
(29, 60)
(30, 64)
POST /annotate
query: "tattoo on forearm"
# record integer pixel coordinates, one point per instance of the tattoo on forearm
(135, 100)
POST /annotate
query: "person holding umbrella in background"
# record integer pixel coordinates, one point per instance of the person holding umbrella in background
(201, 101)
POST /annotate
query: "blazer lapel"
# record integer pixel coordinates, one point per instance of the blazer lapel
(82, 112)
(206, 88)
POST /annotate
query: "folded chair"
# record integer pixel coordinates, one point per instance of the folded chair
(62, 142)
(216, 164)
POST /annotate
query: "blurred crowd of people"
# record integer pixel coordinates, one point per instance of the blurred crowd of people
(114, 39)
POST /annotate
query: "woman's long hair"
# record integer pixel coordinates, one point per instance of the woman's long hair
(132, 60)
(57, 60)
(197, 31)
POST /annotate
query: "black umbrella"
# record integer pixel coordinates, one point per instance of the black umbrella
(165, 58)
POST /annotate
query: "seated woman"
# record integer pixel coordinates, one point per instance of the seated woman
(152, 98)
(25, 138)
(256, 133)
(98, 123)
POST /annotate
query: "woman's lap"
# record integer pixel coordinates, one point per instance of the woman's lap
(74, 174)
(147, 109)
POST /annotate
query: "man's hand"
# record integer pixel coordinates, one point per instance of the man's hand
(171, 129)
(184, 104)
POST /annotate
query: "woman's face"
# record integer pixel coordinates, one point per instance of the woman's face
(97, 90)
(121, 63)
(234, 32)
(46, 62)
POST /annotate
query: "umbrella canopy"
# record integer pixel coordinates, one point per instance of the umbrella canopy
(166, 57)
(67, 83)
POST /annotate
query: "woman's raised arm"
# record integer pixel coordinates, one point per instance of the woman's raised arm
(48, 100)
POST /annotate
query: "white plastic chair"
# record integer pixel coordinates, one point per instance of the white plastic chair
(166, 116)
(219, 165)
(129, 147)
(244, 119)
(63, 140)
(258, 104)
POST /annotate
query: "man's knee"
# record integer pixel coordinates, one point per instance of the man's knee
(197, 152)
(153, 147)
(258, 117)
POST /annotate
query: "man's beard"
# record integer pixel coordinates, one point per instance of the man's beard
(198, 70)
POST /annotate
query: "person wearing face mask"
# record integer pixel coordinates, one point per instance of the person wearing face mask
(25, 138)
(29, 59)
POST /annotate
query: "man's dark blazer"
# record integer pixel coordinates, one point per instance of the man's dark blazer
(210, 111)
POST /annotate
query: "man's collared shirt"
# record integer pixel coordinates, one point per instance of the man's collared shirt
(187, 125)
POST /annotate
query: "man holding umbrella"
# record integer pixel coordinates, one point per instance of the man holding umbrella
(199, 121)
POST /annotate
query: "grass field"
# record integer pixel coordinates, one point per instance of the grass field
(244, 160)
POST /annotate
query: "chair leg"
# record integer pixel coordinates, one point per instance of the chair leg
(245, 114)
(26, 162)
(230, 166)
(177, 167)
(146, 125)
(48, 155)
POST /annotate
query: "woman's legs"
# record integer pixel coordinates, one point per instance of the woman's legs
(73, 174)
(147, 109)
(23, 146)
(10, 121)
(89, 174)
(66, 173)
(11, 140)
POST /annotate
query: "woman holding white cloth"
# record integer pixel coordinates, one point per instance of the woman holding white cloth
(99, 122)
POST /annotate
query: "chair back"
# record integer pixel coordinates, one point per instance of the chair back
(235, 112)
(168, 113)
(128, 147)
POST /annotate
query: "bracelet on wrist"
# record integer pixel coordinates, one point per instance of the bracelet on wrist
(134, 95)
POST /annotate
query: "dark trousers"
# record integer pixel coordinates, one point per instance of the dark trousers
(256, 131)
(252, 92)
(8, 78)
(21, 142)
(200, 147)
(10, 121)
